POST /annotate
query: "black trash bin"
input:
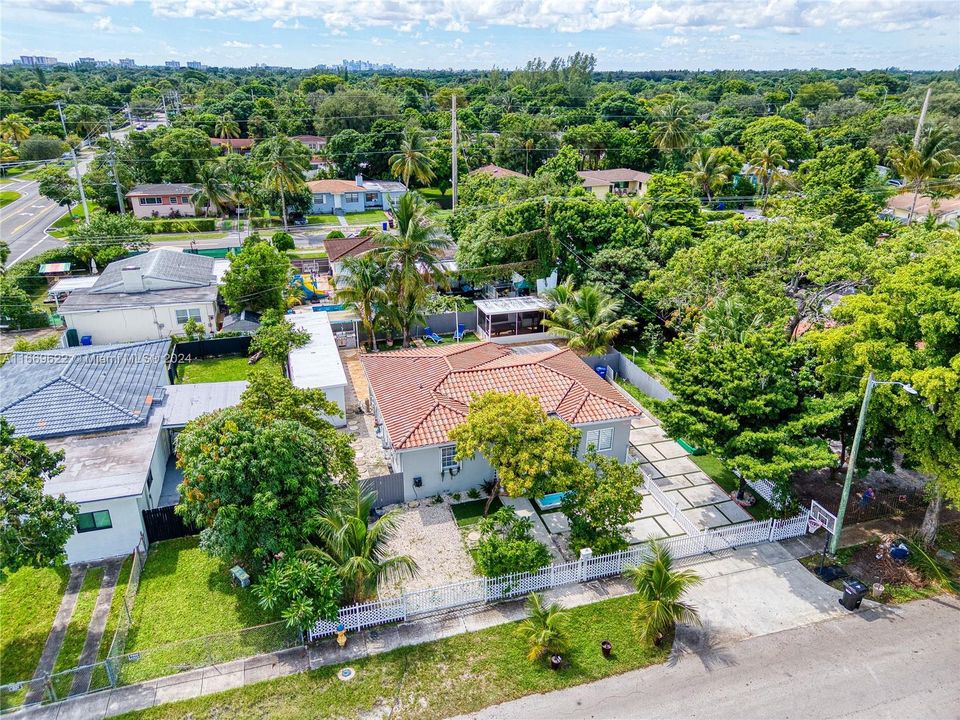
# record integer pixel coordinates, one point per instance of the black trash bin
(853, 593)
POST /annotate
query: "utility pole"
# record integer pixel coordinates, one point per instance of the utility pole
(923, 117)
(76, 168)
(166, 118)
(453, 148)
(111, 157)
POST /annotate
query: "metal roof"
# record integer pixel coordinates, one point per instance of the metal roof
(161, 268)
(60, 267)
(528, 303)
(317, 364)
(163, 189)
(69, 391)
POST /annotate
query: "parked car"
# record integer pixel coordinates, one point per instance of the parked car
(298, 219)
(141, 126)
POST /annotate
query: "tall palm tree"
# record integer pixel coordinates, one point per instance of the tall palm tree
(283, 163)
(214, 191)
(412, 160)
(767, 165)
(588, 317)
(413, 258)
(672, 126)
(935, 157)
(706, 172)
(226, 128)
(356, 550)
(13, 129)
(546, 630)
(660, 590)
(361, 282)
(641, 210)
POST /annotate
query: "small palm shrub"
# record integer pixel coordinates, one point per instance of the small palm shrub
(546, 630)
(660, 590)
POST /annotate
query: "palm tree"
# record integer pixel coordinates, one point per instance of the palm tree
(729, 320)
(767, 165)
(413, 259)
(358, 552)
(935, 157)
(214, 190)
(283, 163)
(642, 211)
(226, 128)
(587, 317)
(13, 129)
(546, 630)
(660, 590)
(412, 160)
(672, 126)
(361, 282)
(706, 172)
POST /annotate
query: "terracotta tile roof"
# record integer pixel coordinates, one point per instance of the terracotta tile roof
(496, 171)
(605, 177)
(423, 393)
(347, 247)
(924, 207)
(334, 186)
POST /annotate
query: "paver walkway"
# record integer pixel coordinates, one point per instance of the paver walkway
(750, 592)
(541, 534)
(61, 622)
(98, 623)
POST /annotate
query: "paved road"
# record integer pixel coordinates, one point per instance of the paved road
(882, 663)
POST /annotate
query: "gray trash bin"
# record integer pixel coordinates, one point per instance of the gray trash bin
(853, 593)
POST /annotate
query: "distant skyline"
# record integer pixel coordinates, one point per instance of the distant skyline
(480, 34)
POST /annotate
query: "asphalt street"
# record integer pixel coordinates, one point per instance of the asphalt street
(889, 662)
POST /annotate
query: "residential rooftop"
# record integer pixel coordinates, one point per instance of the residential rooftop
(496, 171)
(605, 177)
(184, 403)
(317, 364)
(150, 189)
(424, 393)
(338, 248)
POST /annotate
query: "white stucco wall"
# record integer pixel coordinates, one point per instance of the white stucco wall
(158, 467)
(121, 539)
(132, 324)
(621, 438)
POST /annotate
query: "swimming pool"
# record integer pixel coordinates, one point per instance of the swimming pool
(551, 501)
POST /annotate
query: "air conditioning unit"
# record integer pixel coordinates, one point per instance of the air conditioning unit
(341, 341)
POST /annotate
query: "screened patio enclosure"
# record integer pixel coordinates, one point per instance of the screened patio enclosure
(511, 317)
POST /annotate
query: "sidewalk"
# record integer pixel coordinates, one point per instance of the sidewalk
(749, 592)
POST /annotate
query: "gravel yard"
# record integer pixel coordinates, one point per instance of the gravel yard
(430, 536)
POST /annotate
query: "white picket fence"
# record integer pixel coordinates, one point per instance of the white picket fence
(763, 488)
(480, 591)
(673, 510)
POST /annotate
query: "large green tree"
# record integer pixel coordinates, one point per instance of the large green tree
(283, 162)
(34, 526)
(602, 496)
(107, 237)
(587, 317)
(798, 144)
(257, 278)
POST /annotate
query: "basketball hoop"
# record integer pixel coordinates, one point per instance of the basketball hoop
(813, 524)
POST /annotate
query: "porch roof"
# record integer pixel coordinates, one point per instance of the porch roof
(530, 303)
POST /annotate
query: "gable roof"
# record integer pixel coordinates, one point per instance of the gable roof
(234, 143)
(82, 390)
(496, 171)
(334, 186)
(162, 189)
(592, 178)
(924, 206)
(348, 247)
(424, 393)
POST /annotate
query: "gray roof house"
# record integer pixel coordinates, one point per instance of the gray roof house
(112, 412)
(145, 297)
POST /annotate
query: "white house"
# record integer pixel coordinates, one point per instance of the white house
(145, 297)
(317, 365)
(111, 410)
(419, 395)
(620, 181)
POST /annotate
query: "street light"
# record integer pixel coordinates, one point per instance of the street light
(854, 448)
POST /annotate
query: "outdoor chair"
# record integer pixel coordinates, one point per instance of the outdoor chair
(461, 331)
(428, 333)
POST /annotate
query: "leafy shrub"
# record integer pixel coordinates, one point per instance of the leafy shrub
(507, 546)
(719, 214)
(301, 591)
(283, 241)
(456, 497)
(473, 494)
(335, 234)
(182, 225)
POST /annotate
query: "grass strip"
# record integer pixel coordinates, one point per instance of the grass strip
(76, 636)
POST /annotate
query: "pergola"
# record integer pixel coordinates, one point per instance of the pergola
(511, 316)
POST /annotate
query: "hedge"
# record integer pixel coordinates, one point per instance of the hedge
(175, 225)
(26, 274)
(262, 222)
(713, 215)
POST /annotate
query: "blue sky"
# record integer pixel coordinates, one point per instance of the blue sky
(622, 34)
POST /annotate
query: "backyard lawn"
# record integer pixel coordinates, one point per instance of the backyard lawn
(653, 363)
(222, 369)
(439, 679)
(368, 217)
(467, 513)
(8, 196)
(29, 600)
(185, 595)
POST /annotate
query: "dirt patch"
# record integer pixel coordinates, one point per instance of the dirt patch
(869, 568)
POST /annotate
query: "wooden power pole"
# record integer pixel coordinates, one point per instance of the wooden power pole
(453, 148)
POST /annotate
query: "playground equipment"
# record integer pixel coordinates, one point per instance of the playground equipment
(309, 289)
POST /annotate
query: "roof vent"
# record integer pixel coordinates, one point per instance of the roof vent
(132, 277)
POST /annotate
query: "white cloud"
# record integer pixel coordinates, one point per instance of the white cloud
(67, 6)
(105, 24)
(237, 44)
(734, 38)
(286, 25)
(674, 41)
(376, 42)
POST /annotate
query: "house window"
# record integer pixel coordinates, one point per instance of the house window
(184, 315)
(97, 520)
(184, 199)
(373, 197)
(448, 457)
(351, 197)
(151, 201)
(173, 200)
(600, 439)
(321, 199)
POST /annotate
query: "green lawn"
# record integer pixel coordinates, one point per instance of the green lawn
(448, 339)
(222, 369)
(368, 217)
(306, 254)
(69, 655)
(722, 476)
(8, 196)
(647, 401)
(29, 600)
(67, 220)
(100, 678)
(439, 679)
(322, 220)
(467, 513)
(651, 363)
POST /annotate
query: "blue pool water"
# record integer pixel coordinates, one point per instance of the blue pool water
(327, 308)
(551, 501)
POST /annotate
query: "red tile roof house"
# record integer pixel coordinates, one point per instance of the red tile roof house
(420, 394)
(237, 145)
